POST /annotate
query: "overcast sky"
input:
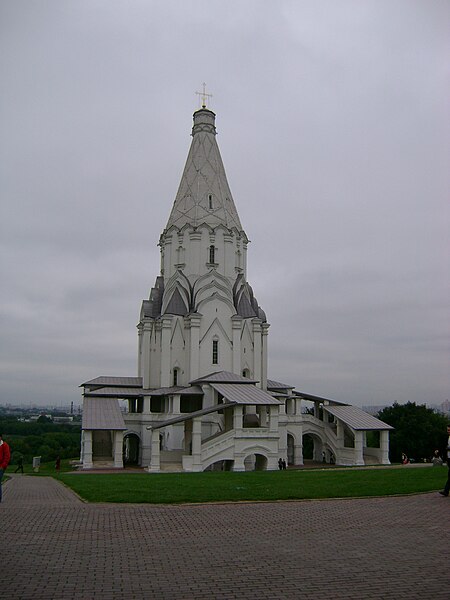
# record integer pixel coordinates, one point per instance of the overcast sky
(334, 131)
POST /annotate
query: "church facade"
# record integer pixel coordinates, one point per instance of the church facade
(202, 398)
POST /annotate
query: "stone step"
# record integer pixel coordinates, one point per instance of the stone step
(171, 467)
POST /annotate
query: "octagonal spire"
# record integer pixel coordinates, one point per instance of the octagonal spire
(204, 195)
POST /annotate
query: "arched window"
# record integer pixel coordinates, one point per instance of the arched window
(175, 376)
(215, 352)
(246, 373)
(212, 254)
(210, 201)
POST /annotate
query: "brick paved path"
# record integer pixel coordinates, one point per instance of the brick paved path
(56, 547)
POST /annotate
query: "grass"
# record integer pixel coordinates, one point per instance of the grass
(172, 488)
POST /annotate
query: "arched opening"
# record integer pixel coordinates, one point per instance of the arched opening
(255, 462)
(290, 449)
(131, 449)
(221, 465)
(313, 447)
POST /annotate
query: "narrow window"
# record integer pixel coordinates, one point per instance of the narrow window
(212, 254)
(175, 377)
(210, 201)
(215, 352)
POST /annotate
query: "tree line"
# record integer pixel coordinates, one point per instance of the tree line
(45, 439)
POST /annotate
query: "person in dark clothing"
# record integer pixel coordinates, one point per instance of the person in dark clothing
(283, 464)
(19, 465)
(280, 464)
(447, 454)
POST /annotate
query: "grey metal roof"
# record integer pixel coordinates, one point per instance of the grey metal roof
(356, 418)
(276, 385)
(318, 398)
(187, 416)
(114, 392)
(223, 376)
(204, 195)
(102, 414)
(167, 391)
(244, 394)
(115, 381)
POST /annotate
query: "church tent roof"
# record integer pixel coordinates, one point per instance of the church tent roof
(102, 414)
(356, 418)
(244, 394)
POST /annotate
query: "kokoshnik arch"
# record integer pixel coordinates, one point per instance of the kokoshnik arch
(202, 398)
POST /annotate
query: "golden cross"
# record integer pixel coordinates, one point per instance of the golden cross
(204, 96)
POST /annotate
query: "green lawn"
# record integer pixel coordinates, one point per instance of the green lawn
(173, 488)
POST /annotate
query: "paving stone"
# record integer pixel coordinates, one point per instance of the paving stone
(59, 547)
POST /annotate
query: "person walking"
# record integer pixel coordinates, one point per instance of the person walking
(5, 456)
(447, 485)
(19, 465)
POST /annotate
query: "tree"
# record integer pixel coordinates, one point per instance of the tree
(418, 430)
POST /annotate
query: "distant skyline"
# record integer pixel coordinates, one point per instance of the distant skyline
(333, 127)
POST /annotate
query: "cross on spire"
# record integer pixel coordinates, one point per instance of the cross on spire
(204, 96)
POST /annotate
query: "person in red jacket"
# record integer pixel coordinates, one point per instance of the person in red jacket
(4, 460)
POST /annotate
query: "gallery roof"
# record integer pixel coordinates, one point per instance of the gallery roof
(102, 414)
(244, 394)
(356, 418)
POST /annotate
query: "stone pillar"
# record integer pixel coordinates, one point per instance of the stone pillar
(264, 344)
(176, 404)
(298, 454)
(118, 449)
(237, 417)
(194, 321)
(257, 355)
(155, 464)
(165, 352)
(145, 355)
(359, 457)
(195, 238)
(87, 450)
(340, 433)
(262, 412)
(236, 323)
(197, 444)
(384, 447)
(273, 416)
(146, 449)
(298, 406)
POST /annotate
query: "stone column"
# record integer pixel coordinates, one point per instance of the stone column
(197, 444)
(264, 344)
(273, 416)
(298, 406)
(118, 449)
(237, 417)
(145, 355)
(298, 454)
(262, 412)
(165, 352)
(236, 323)
(155, 465)
(359, 457)
(384, 447)
(176, 404)
(87, 453)
(257, 355)
(194, 346)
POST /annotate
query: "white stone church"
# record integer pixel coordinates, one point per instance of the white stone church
(202, 398)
